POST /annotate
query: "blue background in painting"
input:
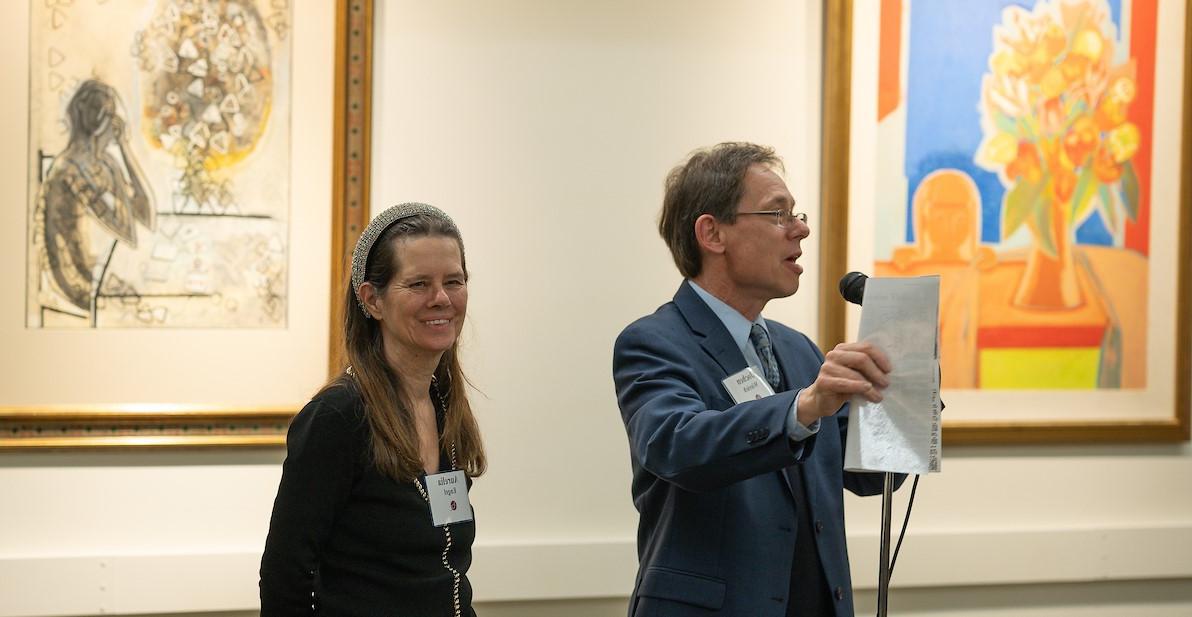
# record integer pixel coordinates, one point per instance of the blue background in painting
(950, 44)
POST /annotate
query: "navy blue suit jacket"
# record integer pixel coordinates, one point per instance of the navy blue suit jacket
(717, 522)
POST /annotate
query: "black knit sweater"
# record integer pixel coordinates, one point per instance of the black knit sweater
(346, 540)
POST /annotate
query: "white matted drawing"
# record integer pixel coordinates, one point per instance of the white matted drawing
(160, 142)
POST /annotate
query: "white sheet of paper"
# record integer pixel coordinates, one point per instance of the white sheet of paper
(900, 434)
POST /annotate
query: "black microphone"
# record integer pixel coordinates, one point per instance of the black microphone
(852, 287)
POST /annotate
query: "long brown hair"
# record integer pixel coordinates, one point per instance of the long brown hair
(394, 436)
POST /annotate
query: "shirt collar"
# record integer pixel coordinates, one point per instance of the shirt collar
(737, 325)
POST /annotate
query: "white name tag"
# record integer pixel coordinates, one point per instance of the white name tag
(747, 385)
(448, 494)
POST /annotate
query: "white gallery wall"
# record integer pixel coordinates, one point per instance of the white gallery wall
(546, 129)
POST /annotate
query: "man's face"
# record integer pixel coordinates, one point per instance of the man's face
(761, 256)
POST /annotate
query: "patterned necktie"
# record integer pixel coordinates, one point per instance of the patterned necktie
(761, 343)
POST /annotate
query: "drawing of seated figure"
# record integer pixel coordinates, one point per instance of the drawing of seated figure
(93, 197)
(946, 213)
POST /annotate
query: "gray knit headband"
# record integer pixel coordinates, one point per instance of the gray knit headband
(375, 228)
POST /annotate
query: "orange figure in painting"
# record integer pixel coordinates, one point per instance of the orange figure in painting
(946, 208)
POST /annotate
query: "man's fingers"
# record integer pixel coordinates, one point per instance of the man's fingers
(862, 363)
(854, 369)
(879, 357)
(849, 385)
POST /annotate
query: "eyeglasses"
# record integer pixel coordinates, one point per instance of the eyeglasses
(782, 218)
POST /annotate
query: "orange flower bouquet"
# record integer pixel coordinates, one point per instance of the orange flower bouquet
(1053, 115)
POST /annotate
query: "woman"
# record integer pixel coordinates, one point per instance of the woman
(358, 526)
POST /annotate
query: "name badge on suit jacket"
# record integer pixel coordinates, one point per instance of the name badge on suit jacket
(747, 385)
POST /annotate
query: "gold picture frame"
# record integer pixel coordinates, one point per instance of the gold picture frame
(838, 103)
(352, 151)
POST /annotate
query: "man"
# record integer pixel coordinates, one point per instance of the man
(740, 497)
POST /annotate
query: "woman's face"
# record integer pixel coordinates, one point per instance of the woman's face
(422, 309)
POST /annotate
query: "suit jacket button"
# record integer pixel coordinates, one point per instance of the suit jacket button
(819, 527)
(839, 593)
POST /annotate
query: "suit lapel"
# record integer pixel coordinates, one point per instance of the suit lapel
(713, 336)
(716, 341)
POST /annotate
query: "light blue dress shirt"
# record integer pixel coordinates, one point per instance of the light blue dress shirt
(738, 327)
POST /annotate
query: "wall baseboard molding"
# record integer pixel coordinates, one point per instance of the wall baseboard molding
(188, 582)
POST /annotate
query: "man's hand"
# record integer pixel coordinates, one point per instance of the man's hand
(849, 369)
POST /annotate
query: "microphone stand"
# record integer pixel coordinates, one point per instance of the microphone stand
(883, 570)
(852, 289)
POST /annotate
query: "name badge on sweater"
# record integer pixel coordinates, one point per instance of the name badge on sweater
(747, 385)
(448, 496)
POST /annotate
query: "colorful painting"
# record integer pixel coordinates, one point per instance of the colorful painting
(160, 142)
(1014, 139)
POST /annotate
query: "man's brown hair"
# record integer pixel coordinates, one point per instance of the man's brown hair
(711, 181)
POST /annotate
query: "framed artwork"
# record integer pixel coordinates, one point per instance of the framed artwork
(157, 228)
(1034, 154)
(160, 136)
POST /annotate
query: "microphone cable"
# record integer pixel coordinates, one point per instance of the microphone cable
(910, 503)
